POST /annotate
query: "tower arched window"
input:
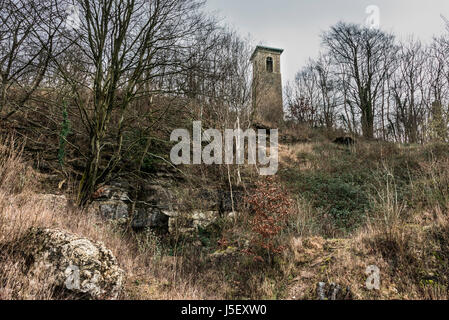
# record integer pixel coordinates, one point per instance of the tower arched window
(270, 64)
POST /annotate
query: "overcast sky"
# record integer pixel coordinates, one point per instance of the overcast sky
(296, 25)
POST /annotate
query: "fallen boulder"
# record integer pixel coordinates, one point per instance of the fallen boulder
(74, 266)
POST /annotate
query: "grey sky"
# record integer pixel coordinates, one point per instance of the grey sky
(295, 25)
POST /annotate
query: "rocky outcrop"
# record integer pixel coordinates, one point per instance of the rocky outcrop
(204, 219)
(111, 210)
(159, 206)
(192, 221)
(111, 202)
(73, 266)
(159, 196)
(147, 216)
(114, 192)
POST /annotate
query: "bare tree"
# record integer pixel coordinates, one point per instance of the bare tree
(367, 55)
(408, 90)
(27, 35)
(315, 96)
(218, 79)
(328, 86)
(125, 47)
(302, 97)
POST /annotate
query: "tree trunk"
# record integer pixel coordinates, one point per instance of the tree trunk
(89, 179)
(2, 97)
(367, 120)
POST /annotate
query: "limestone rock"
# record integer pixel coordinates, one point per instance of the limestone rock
(150, 217)
(160, 196)
(112, 209)
(190, 222)
(113, 192)
(180, 223)
(111, 202)
(204, 219)
(75, 266)
(159, 206)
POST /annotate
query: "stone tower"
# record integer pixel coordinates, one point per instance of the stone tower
(267, 86)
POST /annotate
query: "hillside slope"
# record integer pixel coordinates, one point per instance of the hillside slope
(371, 204)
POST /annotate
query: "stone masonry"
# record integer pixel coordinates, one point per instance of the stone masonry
(267, 86)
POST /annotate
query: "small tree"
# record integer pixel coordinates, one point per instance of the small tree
(272, 208)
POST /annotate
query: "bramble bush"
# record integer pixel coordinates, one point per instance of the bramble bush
(271, 208)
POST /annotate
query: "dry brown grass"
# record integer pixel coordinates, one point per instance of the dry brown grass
(409, 245)
(411, 263)
(405, 234)
(294, 155)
